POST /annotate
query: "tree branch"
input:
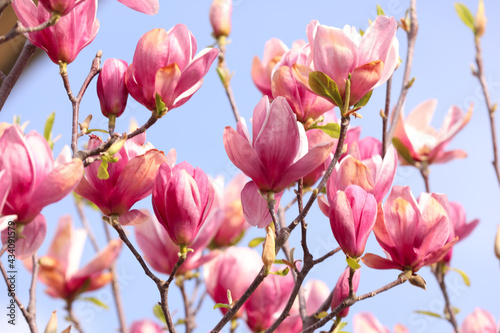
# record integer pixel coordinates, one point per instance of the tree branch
(18, 28)
(225, 77)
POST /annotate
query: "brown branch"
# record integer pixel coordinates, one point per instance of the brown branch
(32, 300)
(72, 317)
(4, 4)
(326, 256)
(225, 77)
(18, 28)
(187, 308)
(412, 37)
(385, 115)
(10, 81)
(323, 307)
(489, 105)
(448, 309)
(424, 171)
(86, 225)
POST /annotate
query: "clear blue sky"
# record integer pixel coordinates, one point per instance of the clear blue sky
(444, 52)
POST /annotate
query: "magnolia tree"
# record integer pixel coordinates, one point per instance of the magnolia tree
(182, 251)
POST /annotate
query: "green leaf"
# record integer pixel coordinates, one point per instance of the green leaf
(339, 327)
(96, 301)
(97, 130)
(429, 313)
(47, 131)
(353, 263)
(158, 312)
(324, 86)
(465, 15)
(363, 101)
(361, 32)
(465, 277)
(102, 173)
(221, 305)
(455, 310)
(380, 11)
(281, 273)
(180, 321)
(161, 108)
(321, 315)
(403, 151)
(278, 262)
(331, 129)
(256, 241)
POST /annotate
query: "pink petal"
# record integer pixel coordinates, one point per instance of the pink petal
(33, 236)
(386, 173)
(443, 157)
(255, 207)
(167, 78)
(367, 323)
(102, 260)
(376, 262)
(133, 217)
(149, 7)
(420, 117)
(363, 79)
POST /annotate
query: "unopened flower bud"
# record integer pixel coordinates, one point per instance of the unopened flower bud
(111, 87)
(417, 281)
(497, 243)
(480, 21)
(220, 17)
(269, 253)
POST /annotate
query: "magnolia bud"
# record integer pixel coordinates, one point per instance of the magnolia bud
(269, 253)
(497, 243)
(111, 87)
(220, 17)
(480, 22)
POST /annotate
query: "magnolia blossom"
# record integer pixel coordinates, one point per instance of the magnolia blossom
(165, 65)
(130, 179)
(461, 228)
(64, 40)
(413, 234)
(29, 236)
(220, 17)
(4, 192)
(233, 270)
(59, 267)
(111, 88)
(36, 180)
(369, 59)
(423, 142)
(352, 217)
(145, 326)
(182, 198)
(149, 7)
(255, 207)
(367, 323)
(162, 254)
(341, 290)
(479, 321)
(278, 155)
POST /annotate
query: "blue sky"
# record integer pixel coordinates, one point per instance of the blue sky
(443, 54)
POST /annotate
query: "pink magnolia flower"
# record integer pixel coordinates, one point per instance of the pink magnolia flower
(341, 290)
(367, 323)
(59, 267)
(278, 155)
(220, 17)
(372, 173)
(130, 179)
(182, 199)
(149, 7)
(234, 270)
(64, 40)
(255, 208)
(36, 179)
(165, 65)
(461, 228)
(304, 103)
(423, 142)
(266, 303)
(5, 184)
(352, 217)
(233, 223)
(29, 236)
(111, 88)
(262, 70)
(162, 254)
(145, 326)
(369, 59)
(479, 321)
(413, 234)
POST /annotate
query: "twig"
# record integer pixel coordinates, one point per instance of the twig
(323, 307)
(225, 77)
(386, 114)
(412, 37)
(424, 171)
(305, 249)
(32, 301)
(448, 309)
(290, 204)
(489, 105)
(18, 28)
(86, 225)
(187, 308)
(11, 79)
(72, 317)
(326, 256)
(350, 300)
(3, 5)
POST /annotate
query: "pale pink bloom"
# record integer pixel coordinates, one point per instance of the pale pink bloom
(373, 174)
(68, 36)
(29, 236)
(367, 323)
(413, 234)
(461, 228)
(130, 179)
(352, 217)
(162, 254)
(341, 290)
(304, 103)
(166, 64)
(262, 70)
(111, 89)
(149, 7)
(4, 192)
(36, 179)
(234, 270)
(369, 59)
(145, 326)
(266, 303)
(277, 155)
(182, 199)
(233, 223)
(59, 267)
(423, 142)
(220, 17)
(479, 321)
(255, 209)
